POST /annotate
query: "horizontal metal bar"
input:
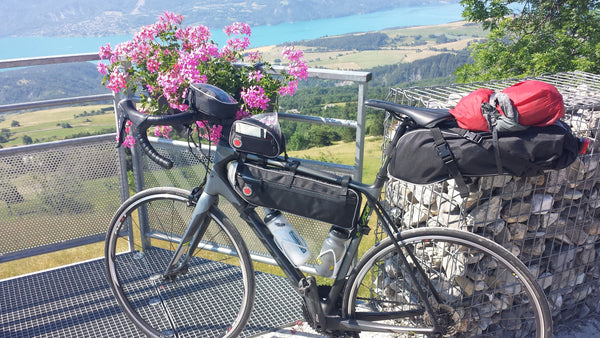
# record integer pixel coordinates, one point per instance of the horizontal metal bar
(325, 74)
(319, 119)
(80, 141)
(48, 60)
(56, 102)
(52, 247)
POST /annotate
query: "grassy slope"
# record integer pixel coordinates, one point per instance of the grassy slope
(44, 125)
(401, 50)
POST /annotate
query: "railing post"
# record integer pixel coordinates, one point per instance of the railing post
(360, 132)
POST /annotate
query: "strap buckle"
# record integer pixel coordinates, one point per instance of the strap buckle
(444, 153)
(472, 136)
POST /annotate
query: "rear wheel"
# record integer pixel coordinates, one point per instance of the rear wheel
(482, 289)
(210, 297)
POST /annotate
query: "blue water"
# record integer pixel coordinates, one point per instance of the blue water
(20, 47)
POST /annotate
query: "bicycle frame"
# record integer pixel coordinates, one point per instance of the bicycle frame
(324, 312)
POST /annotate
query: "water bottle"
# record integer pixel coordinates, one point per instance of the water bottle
(287, 238)
(332, 252)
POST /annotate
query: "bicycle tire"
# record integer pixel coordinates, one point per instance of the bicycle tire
(215, 296)
(484, 289)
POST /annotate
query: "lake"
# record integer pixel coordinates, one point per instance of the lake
(21, 47)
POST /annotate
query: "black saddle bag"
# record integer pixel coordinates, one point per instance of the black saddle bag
(288, 191)
(425, 156)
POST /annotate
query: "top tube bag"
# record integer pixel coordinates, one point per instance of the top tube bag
(259, 135)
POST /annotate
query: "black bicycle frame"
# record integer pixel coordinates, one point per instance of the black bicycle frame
(324, 312)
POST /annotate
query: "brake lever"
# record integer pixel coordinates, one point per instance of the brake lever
(121, 131)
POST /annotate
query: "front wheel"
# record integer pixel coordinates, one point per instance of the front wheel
(210, 297)
(473, 287)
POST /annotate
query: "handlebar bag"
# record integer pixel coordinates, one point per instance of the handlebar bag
(291, 192)
(422, 158)
(260, 135)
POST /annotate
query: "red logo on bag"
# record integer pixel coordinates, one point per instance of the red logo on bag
(246, 190)
(237, 142)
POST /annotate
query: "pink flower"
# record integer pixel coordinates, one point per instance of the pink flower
(170, 18)
(162, 131)
(102, 68)
(193, 37)
(211, 133)
(129, 141)
(238, 28)
(290, 89)
(297, 66)
(240, 114)
(254, 57)
(255, 97)
(117, 81)
(153, 64)
(238, 44)
(105, 51)
(255, 76)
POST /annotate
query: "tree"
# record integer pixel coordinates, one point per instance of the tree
(531, 37)
(27, 139)
(15, 123)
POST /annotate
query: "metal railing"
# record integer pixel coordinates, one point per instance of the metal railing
(74, 184)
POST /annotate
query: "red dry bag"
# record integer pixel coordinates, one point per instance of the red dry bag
(532, 103)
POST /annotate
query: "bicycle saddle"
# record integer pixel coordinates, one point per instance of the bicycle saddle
(424, 117)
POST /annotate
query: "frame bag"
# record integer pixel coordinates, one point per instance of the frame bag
(288, 191)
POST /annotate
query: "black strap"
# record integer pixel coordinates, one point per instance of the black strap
(447, 157)
(470, 135)
(491, 115)
(292, 166)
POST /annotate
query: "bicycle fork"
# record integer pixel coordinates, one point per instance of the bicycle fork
(191, 238)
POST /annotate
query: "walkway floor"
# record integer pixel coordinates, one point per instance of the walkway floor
(76, 301)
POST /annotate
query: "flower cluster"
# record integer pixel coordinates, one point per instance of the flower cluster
(165, 58)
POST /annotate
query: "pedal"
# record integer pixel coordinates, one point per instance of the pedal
(308, 289)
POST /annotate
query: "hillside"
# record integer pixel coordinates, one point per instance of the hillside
(364, 51)
(50, 82)
(112, 17)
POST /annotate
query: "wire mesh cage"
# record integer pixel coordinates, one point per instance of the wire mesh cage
(551, 222)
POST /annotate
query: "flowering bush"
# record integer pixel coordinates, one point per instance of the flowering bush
(163, 59)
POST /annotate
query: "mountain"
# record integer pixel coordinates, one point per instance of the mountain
(40, 82)
(112, 17)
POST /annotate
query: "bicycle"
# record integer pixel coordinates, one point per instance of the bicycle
(159, 282)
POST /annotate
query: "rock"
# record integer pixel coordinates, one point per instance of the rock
(545, 280)
(491, 182)
(520, 188)
(517, 212)
(573, 194)
(487, 212)
(424, 194)
(592, 226)
(541, 204)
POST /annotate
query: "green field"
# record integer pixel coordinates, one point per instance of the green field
(50, 124)
(402, 48)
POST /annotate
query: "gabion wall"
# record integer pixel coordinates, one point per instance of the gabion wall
(551, 222)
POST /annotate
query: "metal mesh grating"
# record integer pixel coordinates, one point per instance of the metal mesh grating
(76, 301)
(57, 195)
(551, 222)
